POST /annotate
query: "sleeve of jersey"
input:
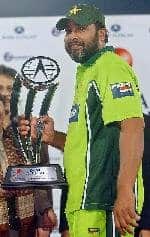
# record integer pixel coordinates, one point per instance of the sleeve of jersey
(122, 98)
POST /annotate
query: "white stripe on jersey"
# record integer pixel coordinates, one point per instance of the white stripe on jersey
(88, 156)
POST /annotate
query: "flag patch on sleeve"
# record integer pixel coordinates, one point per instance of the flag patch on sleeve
(122, 89)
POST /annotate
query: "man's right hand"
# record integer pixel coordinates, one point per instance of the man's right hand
(48, 131)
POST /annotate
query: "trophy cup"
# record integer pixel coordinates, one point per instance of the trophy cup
(34, 88)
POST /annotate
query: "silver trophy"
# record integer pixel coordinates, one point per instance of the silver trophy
(33, 90)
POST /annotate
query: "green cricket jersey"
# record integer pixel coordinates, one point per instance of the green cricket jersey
(106, 92)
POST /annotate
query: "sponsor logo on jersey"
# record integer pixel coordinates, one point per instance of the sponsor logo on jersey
(74, 113)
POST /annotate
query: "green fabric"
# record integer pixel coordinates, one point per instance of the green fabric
(83, 223)
(139, 191)
(87, 223)
(92, 60)
(117, 109)
(82, 14)
(91, 155)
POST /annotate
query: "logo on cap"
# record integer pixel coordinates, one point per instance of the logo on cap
(74, 10)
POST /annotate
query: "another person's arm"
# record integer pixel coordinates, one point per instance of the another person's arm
(131, 150)
(59, 140)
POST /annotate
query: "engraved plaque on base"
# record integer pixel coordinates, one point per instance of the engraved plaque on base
(34, 176)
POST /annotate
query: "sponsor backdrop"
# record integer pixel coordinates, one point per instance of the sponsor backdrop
(22, 38)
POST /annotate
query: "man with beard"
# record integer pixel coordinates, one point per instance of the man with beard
(104, 143)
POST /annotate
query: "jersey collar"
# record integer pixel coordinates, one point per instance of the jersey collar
(98, 54)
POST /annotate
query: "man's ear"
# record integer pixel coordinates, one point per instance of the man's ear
(102, 33)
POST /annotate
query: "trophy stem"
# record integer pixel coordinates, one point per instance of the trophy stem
(29, 150)
(38, 149)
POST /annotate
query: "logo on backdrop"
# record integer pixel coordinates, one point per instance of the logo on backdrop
(115, 27)
(117, 31)
(56, 32)
(19, 29)
(19, 32)
(8, 57)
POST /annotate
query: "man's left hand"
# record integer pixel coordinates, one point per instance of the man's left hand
(124, 212)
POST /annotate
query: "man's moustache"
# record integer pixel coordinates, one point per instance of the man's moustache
(75, 42)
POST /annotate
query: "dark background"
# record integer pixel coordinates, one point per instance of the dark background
(11, 8)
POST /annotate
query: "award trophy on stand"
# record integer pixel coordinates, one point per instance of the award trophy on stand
(33, 90)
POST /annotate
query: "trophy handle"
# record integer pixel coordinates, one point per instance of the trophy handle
(39, 130)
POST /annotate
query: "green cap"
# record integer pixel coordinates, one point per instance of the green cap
(82, 14)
